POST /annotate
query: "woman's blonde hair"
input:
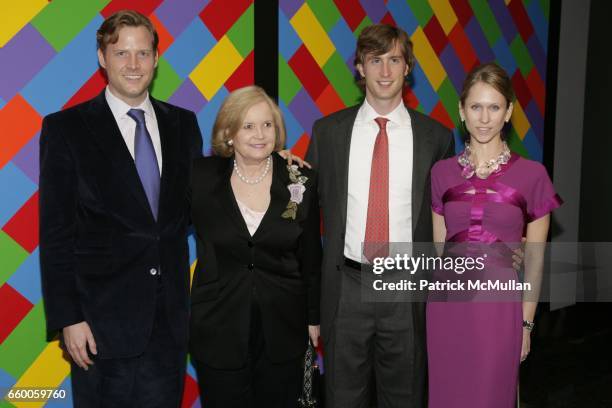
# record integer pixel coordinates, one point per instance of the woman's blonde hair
(231, 117)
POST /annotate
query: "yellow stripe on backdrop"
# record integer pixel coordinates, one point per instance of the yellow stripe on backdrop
(16, 14)
(427, 58)
(49, 370)
(444, 13)
(519, 120)
(312, 33)
(214, 69)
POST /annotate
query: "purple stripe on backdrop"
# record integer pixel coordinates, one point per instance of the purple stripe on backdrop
(504, 19)
(27, 159)
(305, 111)
(535, 120)
(537, 55)
(21, 59)
(478, 40)
(453, 67)
(290, 7)
(374, 9)
(176, 19)
(188, 97)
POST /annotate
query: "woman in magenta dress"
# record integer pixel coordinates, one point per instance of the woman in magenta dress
(485, 195)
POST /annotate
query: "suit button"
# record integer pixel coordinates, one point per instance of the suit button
(250, 244)
(153, 271)
(251, 266)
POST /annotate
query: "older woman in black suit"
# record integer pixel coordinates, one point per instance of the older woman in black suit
(255, 293)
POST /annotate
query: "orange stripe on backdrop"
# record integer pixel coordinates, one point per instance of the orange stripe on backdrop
(329, 101)
(165, 38)
(19, 122)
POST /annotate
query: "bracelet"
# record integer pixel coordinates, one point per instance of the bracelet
(528, 325)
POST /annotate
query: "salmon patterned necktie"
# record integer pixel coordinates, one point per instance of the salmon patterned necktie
(377, 225)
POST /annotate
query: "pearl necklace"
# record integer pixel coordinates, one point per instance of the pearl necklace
(487, 168)
(258, 179)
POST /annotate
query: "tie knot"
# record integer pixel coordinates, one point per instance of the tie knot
(137, 115)
(382, 123)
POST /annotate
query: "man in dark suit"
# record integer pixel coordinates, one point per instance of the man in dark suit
(114, 174)
(374, 162)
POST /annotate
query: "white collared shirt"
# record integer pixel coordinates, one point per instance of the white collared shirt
(127, 125)
(365, 130)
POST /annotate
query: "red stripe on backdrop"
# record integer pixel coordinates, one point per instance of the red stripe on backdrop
(244, 75)
(145, 7)
(219, 17)
(463, 48)
(23, 226)
(329, 101)
(20, 122)
(165, 38)
(463, 10)
(14, 308)
(308, 72)
(435, 34)
(352, 11)
(521, 19)
(94, 85)
(537, 88)
(301, 146)
(523, 94)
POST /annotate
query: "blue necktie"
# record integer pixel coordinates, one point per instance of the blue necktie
(146, 160)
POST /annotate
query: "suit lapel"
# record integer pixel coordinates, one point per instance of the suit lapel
(279, 196)
(227, 199)
(422, 150)
(166, 122)
(342, 146)
(107, 136)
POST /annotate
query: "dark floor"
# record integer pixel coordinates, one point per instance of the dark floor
(571, 360)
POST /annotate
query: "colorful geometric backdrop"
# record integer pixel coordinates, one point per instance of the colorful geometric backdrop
(317, 49)
(48, 62)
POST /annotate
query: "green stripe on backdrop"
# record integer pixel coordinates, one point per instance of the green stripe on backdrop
(291, 83)
(240, 33)
(521, 54)
(62, 20)
(12, 256)
(326, 12)
(166, 81)
(342, 80)
(487, 20)
(25, 343)
(422, 11)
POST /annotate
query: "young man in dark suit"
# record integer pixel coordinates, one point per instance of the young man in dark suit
(374, 161)
(114, 174)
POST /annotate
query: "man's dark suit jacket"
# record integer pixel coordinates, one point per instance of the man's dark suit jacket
(99, 241)
(329, 155)
(280, 264)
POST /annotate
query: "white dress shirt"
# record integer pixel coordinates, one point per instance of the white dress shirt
(365, 130)
(127, 125)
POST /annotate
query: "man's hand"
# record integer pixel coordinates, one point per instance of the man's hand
(286, 154)
(314, 332)
(77, 338)
(519, 256)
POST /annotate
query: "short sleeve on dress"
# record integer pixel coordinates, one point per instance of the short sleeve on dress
(437, 189)
(543, 198)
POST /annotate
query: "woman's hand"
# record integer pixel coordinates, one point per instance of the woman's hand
(526, 344)
(314, 332)
(286, 154)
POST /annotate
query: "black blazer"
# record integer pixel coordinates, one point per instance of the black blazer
(328, 152)
(280, 262)
(98, 238)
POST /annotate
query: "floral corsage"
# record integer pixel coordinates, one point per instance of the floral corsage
(297, 189)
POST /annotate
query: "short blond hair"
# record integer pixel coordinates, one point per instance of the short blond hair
(231, 117)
